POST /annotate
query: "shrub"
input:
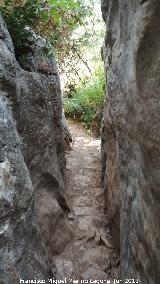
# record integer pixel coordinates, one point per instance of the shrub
(86, 103)
(52, 19)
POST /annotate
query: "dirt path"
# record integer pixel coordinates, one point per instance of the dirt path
(90, 254)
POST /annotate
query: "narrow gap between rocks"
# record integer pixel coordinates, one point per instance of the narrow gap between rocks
(90, 254)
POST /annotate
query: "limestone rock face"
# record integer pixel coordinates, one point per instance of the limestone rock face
(32, 166)
(21, 253)
(131, 134)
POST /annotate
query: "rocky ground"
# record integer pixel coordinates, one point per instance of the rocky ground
(90, 254)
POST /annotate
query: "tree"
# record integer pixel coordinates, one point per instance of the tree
(70, 28)
(52, 19)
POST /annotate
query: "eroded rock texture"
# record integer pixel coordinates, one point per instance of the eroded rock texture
(21, 253)
(131, 134)
(32, 160)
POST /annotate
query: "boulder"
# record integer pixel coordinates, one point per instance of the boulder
(21, 253)
(32, 165)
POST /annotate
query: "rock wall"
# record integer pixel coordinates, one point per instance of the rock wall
(131, 134)
(32, 166)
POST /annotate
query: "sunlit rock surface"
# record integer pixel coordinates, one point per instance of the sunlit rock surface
(131, 134)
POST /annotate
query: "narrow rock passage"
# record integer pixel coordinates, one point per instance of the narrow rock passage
(90, 253)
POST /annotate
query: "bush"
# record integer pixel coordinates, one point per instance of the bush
(86, 103)
(52, 19)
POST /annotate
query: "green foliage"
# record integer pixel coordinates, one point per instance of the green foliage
(86, 103)
(70, 28)
(85, 46)
(18, 15)
(52, 19)
(73, 30)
